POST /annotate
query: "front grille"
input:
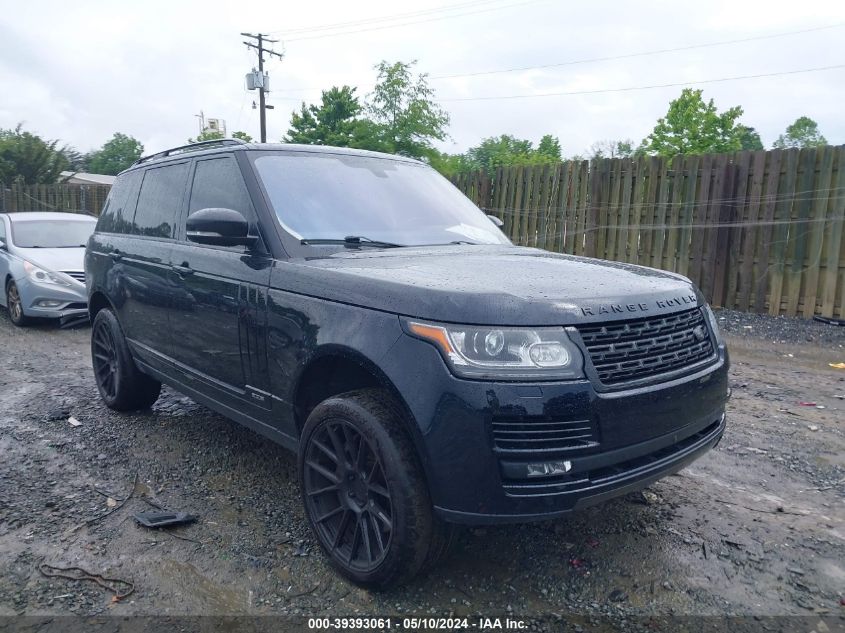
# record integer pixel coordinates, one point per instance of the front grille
(614, 474)
(76, 274)
(644, 348)
(524, 435)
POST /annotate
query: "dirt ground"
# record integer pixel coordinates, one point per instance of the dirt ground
(755, 527)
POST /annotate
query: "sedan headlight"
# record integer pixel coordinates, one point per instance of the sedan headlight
(41, 276)
(503, 353)
(714, 323)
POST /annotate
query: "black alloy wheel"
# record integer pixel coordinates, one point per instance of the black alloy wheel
(365, 492)
(347, 495)
(104, 359)
(121, 384)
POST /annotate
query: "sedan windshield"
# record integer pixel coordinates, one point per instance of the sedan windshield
(51, 233)
(335, 196)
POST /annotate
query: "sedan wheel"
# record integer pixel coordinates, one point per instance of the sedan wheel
(15, 305)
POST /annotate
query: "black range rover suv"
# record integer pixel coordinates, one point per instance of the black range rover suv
(358, 309)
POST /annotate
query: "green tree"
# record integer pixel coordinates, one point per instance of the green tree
(749, 138)
(337, 121)
(450, 164)
(28, 159)
(115, 155)
(804, 132)
(403, 105)
(507, 150)
(549, 148)
(77, 161)
(215, 135)
(692, 126)
(207, 135)
(612, 149)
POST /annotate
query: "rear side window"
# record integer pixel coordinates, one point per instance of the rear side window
(219, 183)
(2, 229)
(160, 200)
(116, 216)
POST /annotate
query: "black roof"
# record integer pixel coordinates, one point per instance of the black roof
(229, 144)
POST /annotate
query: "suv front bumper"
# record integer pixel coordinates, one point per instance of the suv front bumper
(478, 472)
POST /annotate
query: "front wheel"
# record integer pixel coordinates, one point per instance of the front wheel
(121, 384)
(14, 303)
(363, 489)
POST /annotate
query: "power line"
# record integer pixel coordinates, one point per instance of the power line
(376, 20)
(590, 60)
(639, 54)
(392, 26)
(651, 87)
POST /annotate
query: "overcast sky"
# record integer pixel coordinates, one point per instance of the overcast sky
(81, 71)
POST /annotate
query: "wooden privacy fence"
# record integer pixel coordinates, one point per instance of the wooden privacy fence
(74, 198)
(757, 231)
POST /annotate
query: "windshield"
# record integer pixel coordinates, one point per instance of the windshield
(333, 196)
(51, 233)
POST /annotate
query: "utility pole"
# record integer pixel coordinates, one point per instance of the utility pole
(261, 84)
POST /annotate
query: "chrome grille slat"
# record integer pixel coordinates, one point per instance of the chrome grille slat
(79, 275)
(646, 348)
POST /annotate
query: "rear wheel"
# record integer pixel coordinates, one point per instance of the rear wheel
(363, 489)
(121, 384)
(15, 305)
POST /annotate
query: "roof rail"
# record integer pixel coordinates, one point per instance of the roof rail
(191, 147)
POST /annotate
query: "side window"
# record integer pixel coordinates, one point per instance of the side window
(160, 200)
(2, 229)
(218, 183)
(116, 216)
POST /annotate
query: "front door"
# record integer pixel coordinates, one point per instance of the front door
(219, 339)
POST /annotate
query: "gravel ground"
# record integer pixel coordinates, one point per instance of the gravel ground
(755, 527)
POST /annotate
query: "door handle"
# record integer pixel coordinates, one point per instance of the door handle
(116, 255)
(184, 270)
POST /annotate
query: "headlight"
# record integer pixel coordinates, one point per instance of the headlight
(714, 324)
(41, 276)
(503, 352)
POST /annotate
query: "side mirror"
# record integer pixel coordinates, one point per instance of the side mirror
(497, 221)
(219, 227)
(2, 244)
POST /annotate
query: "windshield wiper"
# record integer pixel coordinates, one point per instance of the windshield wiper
(352, 240)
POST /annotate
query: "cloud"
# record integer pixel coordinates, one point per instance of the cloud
(84, 71)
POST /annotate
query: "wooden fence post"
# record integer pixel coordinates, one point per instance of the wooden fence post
(726, 217)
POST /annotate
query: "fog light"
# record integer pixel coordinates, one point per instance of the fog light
(47, 303)
(549, 469)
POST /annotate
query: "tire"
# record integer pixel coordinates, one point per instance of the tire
(443, 539)
(15, 306)
(363, 489)
(122, 386)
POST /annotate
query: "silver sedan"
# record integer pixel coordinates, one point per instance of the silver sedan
(41, 265)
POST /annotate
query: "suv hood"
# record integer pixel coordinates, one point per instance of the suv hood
(489, 285)
(55, 259)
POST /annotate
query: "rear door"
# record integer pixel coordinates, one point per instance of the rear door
(220, 342)
(148, 291)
